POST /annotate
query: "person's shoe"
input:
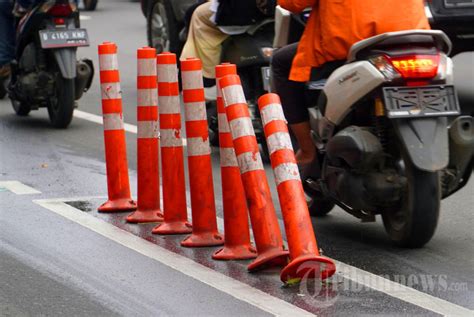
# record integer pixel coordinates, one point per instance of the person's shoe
(210, 93)
(5, 72)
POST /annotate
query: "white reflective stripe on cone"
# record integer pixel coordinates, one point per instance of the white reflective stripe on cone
(233, 94)
(198, 146)
(222, 123)
(241, 127)
(279, 141)
(167, 73)
(272, 112)
(110, 91)
(249, 161)
(195, 111)
(169, 104)
(286, 172)
(228, 158)
(147, 97)
(112, 121)
(148, 129)
(108, 62)
(146, 67)
(170, 138)
(192, 79)
(219, 91)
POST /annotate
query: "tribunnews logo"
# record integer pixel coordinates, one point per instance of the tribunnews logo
(327, 291)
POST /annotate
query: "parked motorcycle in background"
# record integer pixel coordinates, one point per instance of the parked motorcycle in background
(46, 72)
(390, 137)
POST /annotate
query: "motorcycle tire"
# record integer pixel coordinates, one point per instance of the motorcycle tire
(415, 223)
(61, 107)
(21, 108)
(163, 28)
(90, 5)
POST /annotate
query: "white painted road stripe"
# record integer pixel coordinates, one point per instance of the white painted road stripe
(18, 188)
(98, 119)
(177, 262)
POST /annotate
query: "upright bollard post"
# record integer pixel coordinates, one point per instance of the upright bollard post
(174, 188)
(118, 186)
(304, 254)
(147, 140)
(199, 159)
(236, 225)
(262, 212)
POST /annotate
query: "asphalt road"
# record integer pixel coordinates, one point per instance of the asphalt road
(52, 264)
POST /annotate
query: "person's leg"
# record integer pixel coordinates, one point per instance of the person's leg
(292, 95)
(204, 40)
(7, 33)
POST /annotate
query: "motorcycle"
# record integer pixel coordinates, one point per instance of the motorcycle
(389, 134)
(46, 72)
(250, 52)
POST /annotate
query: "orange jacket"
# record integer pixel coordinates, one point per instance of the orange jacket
(334, 25)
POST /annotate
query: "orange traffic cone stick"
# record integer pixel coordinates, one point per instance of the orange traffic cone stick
(174, 188)
(304, 254)
(118, 185)
(147, 140)
(203, 207)
(262, 212)
(236, 225)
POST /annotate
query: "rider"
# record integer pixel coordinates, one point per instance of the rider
(212, 23)
(333, 27)
(7, 42)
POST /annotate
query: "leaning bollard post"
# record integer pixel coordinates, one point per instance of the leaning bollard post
(304, 253)
(262, 212)
(118, 186)
(236, 224)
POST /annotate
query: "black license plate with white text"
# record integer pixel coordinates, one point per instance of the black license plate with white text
(64, 38)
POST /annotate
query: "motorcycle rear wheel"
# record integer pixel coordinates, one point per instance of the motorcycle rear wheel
(61, 106)
(90, 5)
(163, 28)
(415, 223)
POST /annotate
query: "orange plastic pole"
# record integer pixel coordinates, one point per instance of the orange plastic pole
(236, 226)
(174, 188)
(304, 253)
(147, 140)
(262, 212)
(199, 159)
(118, 186)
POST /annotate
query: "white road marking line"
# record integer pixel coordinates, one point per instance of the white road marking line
(98, 119)
(85, 17)
(18, 188)
(177, 262)
(367, 279)
(402, 292)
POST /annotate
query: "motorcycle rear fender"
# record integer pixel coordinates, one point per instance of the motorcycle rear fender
(425, 140)
(66, 61)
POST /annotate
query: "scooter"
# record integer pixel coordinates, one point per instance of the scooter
(389, 134)
(46, 72)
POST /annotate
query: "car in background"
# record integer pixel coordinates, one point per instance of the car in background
(165, 21)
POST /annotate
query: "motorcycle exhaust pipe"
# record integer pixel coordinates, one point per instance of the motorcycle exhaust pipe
(84, 75)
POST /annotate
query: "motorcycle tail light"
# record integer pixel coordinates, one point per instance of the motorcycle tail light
(383, 65)
(60, 10)
(416, 66)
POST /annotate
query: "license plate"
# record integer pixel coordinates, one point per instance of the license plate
(64, 38)
(266, 78)
(429, 101)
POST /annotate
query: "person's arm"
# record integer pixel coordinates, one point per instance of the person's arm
(296, 5)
